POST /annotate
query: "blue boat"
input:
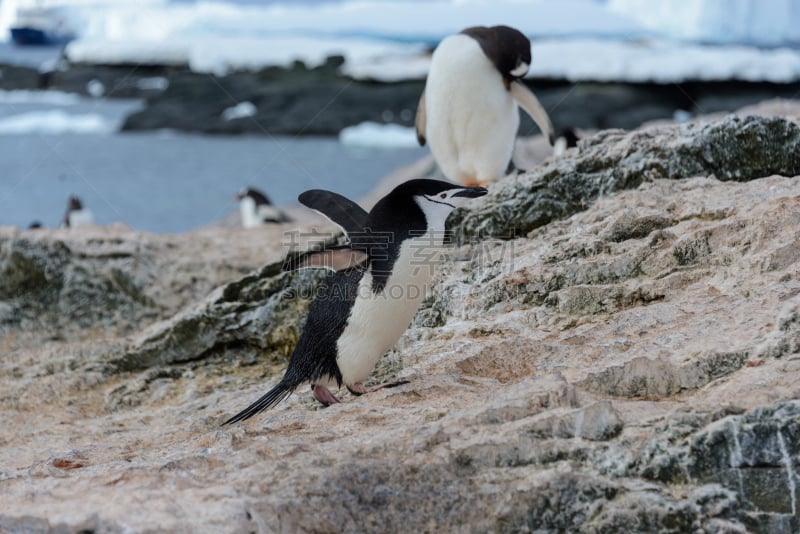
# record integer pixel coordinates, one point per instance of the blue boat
(43, 26)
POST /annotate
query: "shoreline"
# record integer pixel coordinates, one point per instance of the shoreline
(288, 100)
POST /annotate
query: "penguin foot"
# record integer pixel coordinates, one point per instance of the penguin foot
(323, 395)
(358, 388)
(469, 181)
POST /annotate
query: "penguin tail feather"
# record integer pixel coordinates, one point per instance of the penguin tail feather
(269, 400)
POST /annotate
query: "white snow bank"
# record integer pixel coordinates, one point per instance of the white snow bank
(621, 40)
(392, 20)
(218, 37)
(56, 122)
(757, 22)
(372, 134)
(641, 61)
(50, 98)
(222, 55)
(661, 61)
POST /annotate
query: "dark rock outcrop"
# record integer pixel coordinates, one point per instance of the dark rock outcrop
(733, 148)
(296, 101)
(264, 310)
(62, 284)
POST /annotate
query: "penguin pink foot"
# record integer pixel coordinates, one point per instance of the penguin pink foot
(358, 388)
(324, 396)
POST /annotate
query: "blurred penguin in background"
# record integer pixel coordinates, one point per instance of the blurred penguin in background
(257, 210)
(566, 138)
(469, 109)
(76, 214)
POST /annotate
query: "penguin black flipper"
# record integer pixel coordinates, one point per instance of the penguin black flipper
(340, 210)
(420, 121)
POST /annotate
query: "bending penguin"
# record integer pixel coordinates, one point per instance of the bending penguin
(468, 110)
(257, 210)
(567, 138)
(378, 281)
(76, 215)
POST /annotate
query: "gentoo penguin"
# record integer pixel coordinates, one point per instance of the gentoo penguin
(468, 110)
(377, 283)
(256, 209)
(76, 215)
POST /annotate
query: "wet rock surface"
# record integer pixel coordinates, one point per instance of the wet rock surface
(629, 368)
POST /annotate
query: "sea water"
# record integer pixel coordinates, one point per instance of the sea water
(53, 146)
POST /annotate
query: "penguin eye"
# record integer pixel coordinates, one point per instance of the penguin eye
(443, 195)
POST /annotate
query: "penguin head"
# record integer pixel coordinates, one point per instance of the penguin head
(255, 195)
(435, 199)
(507, 48)
(74, 204)
(451, 196)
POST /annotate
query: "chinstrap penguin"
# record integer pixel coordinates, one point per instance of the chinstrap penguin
(256, 209)
(377, 283)
(567, 138)
(468, 110)
(76, 215)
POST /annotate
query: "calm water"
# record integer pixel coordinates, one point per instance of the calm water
(170, 182)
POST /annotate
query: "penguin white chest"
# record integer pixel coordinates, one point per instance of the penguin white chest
(377, 320)
(247, 209)
(472, 119)
(82, 217)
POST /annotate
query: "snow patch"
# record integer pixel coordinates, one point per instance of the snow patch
(55, 122)
(660, 61)
(372, 134)
(239, 111)
(50, 98)
(756, 22)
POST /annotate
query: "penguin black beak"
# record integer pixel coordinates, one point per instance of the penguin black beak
(472, 192)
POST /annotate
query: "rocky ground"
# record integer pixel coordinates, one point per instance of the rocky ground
(625, 360)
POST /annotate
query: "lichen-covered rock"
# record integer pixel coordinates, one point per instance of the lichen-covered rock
(756, 455)
(74, 284)
(265, 310)
(733, 148)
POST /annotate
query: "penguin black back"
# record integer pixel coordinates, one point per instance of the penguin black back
(394, 219)
(258, 197)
